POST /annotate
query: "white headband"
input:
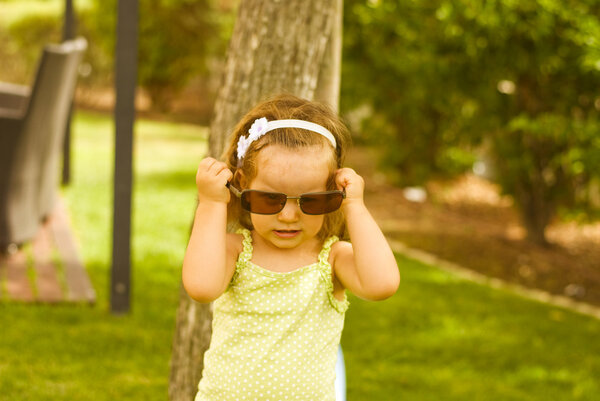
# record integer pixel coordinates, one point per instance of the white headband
(261, 126)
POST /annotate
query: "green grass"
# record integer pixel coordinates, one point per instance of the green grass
(439, 338)
(13, 10)
(442, 338)
(85, 353)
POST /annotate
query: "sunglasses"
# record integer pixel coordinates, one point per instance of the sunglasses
(263, 202)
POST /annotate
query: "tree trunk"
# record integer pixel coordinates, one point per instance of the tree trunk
(536, 210)
(192, 336)
(289, 46)
(276, 46)
(328, 85)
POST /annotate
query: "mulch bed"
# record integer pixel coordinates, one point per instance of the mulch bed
(467, 222)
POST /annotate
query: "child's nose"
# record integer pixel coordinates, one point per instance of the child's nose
(290, 211)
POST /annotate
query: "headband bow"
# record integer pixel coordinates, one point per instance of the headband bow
(261, 126)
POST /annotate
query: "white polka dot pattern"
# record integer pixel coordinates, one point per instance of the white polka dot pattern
(275, 335)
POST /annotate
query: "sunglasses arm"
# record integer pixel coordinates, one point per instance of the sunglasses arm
(233, 189)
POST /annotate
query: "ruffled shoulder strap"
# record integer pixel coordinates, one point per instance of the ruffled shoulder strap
(244, 256)
(246, 253)
(324, 254)
(326, 274)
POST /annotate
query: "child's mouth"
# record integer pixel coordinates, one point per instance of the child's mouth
(286, 233)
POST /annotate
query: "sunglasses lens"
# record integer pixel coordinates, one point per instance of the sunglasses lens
(263, 202)
(321, 203)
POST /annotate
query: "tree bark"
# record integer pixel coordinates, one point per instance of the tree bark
(277, 46)
(536, 210)
(330, 74)
(191, 340)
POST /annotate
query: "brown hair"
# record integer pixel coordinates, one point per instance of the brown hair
(282, 107)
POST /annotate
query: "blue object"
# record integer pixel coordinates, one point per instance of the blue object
(340, 377)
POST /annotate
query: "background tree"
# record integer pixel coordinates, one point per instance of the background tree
(401, 65)
(543, 59)
(290, 46)
(177, 38)
(443, 77)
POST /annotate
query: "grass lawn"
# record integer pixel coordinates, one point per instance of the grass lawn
(439, 338)
(13, 10)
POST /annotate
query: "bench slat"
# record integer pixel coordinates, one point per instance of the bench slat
(78, 282)
(18, 286)
(52, 247)
(48, 285)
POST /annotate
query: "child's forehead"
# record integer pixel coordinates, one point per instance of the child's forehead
(306, 166)
(318, 156)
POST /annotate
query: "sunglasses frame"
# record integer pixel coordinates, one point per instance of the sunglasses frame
(239, 194)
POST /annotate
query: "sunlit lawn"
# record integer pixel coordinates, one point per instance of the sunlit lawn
(439, 338)
(442, 338)
(12, 10)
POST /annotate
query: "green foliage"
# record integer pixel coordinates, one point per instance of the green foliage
(176, 39)
(560, 158)
(399, 61)
(23, 44)
(543, 138)
(442, 75)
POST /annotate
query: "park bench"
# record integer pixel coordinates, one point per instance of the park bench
(32, 128)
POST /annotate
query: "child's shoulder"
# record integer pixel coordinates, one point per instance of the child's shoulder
(341, 244)
(340, 249)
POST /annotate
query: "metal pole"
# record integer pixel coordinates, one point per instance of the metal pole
(68, 33)
(125, 83)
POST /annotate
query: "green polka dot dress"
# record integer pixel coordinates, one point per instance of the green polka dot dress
(275, 335)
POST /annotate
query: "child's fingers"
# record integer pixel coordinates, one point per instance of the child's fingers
(204, 167)
(214, 168)
(225, 174)
(211, 178)
(348, 180)
(340, 181)
(221, 172)
(344, 177)
(206, 164)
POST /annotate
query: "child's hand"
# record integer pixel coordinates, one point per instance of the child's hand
(211, 178)
(352, 183)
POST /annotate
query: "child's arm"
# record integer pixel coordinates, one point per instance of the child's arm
(366, 266)
(209, 260)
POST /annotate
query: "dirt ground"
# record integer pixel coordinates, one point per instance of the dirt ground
(467, 222)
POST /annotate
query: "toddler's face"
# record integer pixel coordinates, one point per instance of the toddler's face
(292, 172)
